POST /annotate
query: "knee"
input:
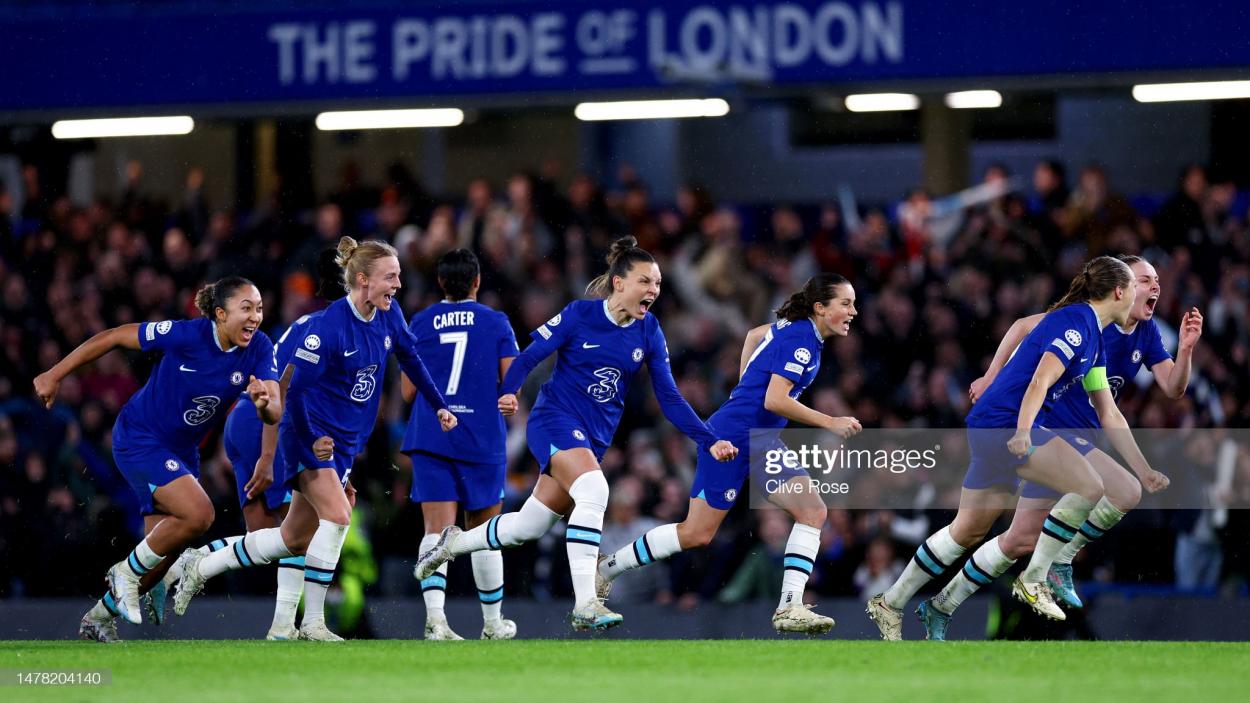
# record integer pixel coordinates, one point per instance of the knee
(1091, 487)
(1016, 545)
(199, 519)
(812, 515)
(1126, 495)
(590, 490)
(339, 515)
(691, 536)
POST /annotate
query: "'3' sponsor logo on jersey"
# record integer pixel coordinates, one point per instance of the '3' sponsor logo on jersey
(605, 389)
(205, 407)
(363, 390)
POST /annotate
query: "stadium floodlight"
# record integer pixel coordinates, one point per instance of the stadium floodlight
(1173, 92)
(651, 109)
(882, 102)
(122, 127)
(390, 119)
(968, 99)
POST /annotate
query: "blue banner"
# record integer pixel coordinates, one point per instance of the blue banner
(97, 56)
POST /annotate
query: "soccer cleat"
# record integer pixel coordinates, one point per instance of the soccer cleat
(125, 588)
(1059, 578)
(799, 617)
(934, 621)
(318, 632)
(603, 584)
(154, 602)
(1038, 597)
(502, 629)
(278, 634)
(191, 582)
(437, 555)
(889, 621)
(439, 630)
(594, 615)
(94, 630)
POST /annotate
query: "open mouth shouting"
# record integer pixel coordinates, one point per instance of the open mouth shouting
(1149, 306)
(644, 305)
(246, 334)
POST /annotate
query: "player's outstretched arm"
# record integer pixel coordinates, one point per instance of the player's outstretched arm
(1015, 334)
(1173, 376)
(48, 382)
(678, 411)
(777, 400)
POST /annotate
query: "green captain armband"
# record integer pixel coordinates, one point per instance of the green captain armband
(1096, 380)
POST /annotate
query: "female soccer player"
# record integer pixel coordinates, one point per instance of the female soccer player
(468, 348)
(1066, 348)
(333, 400)
(157, 434)
(777, 371)
(1074, 419)
(252, 457)
(601, 345)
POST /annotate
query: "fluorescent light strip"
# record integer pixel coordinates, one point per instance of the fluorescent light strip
(1171, 92)
(967, 99)
(122, 127)
(651, 109)
(882, 102)
(390, 119)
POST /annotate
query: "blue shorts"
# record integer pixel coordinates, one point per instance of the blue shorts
(718, 483)
(992, 464)
(242, 444)
(551, 431)
(473, 485)
(296, 450)
(148, 467)
(1083, 441)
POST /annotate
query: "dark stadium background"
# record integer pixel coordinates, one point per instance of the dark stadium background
(739, 211)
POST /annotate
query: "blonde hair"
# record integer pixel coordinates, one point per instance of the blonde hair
(356, 258)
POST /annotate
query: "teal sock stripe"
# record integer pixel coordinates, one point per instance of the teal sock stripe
(1057, 529)
(291, 563)
(489, 597)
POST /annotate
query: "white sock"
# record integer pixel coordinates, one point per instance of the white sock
(142, 559)
(934, 556)
(1057, 531)
(985, 565)
(488, 575)
(800, 559)
(434, 588)
(104, 609)
(1103, 517)
(529, 523)
(319, 564)
(659, 543)
(290, 589)
(175, 571)
(590, 500)
(255, 548)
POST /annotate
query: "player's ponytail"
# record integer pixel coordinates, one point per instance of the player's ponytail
(215, 295)
(457, 270)
(621, 258)
(357, 258)
(820, 288)
(330, 284)
(1100, 277)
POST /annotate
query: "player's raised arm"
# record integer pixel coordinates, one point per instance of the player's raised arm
(1173, 375)
(749, 345)
(49, 382)
(1015, 334)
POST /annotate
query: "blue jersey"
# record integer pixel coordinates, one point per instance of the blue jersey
(596, 360)
(790, 350)
(192, 384)
(1126, 352)
(339, 362)
(1072, 334)
(461, 343)
(285, 348)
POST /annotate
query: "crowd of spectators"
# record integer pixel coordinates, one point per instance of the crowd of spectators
(934, 300)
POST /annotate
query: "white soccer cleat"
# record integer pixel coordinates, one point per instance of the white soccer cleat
(125, 588)
(1038, 597)
(279, 634)
(94, 630)
(889, 621)
(603, 584)
(799, 617)
(318, 632)
(437, 555)
(502, 629)
(594, 615)
(439, 630)
(191, 582)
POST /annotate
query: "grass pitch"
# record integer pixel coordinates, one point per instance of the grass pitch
(643, 671)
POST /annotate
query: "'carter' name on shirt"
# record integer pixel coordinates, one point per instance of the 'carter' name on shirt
(456, 318)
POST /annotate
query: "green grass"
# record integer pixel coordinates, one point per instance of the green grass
(644, 671)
